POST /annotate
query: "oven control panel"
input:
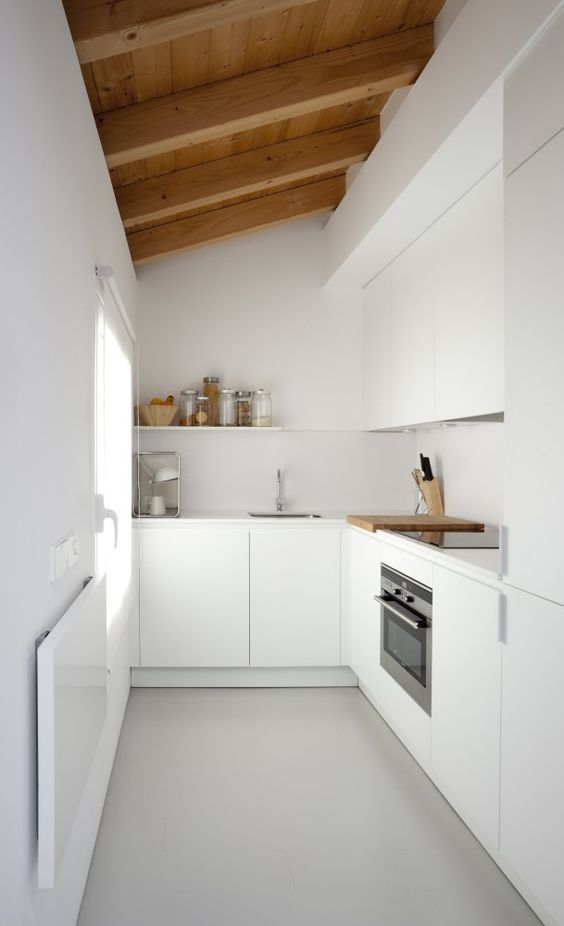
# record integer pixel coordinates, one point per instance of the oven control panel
(411, 593)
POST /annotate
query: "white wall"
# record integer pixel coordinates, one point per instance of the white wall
(253, 312)
(469, 462)
(324, 471)
(58, 220)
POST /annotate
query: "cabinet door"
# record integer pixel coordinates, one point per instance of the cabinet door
(194, 597)
(468, 254)
(364, 612)
(412, 346)
(377, 353)
(534, 202)
(466, 707)
(538, 75)
(532, 747)
(295, 597)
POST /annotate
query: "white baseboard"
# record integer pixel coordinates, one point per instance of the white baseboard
(324, 677)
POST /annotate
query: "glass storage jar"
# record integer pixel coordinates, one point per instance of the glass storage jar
(243, 408)
(188, 408)
(227, 408)
(262, 409)
(202, 411)
(211, 390)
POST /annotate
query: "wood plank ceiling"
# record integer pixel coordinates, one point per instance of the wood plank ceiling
(219, 117)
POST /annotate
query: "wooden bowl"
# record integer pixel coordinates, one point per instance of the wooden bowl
(158, 416)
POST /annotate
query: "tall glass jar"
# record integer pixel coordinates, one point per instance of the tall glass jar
(243, 408)
(262, 409)
(202, 411)
(211, 390)
(227, 408)
(188, 408)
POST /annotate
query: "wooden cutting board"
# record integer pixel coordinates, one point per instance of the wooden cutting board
(414, 522)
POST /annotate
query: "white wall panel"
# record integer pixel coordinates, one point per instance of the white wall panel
(71, 699)
(59, 219)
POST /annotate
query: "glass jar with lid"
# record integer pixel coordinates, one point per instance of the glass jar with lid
(227, 408)
(211, 390)
(202, 417)
(188, 408)
(243, 408)
(261, 409)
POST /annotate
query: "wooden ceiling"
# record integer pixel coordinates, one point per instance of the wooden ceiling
(219, 117)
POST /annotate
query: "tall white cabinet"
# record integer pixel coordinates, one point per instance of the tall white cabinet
(534, 275)
(532, 743)
(535, 371)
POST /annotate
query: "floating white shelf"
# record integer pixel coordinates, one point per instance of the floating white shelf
(176, 427)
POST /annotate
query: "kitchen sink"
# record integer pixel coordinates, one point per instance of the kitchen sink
(282, 514)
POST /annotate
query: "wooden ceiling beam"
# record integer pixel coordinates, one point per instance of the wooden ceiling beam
(231, 221)
(247, 173)
(120, 26)
(263, 97)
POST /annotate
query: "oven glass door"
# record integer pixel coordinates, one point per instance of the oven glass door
(405, 652)
(405, 645)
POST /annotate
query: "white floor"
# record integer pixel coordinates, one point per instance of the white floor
(281, 807)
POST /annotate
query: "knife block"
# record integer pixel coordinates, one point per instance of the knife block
(432, 496)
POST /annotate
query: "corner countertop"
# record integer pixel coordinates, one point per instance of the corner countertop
(476, 563)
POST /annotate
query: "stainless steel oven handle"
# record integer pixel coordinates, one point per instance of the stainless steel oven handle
(416, 623)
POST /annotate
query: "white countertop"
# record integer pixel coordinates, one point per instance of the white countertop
(216, 517)
(474, 562)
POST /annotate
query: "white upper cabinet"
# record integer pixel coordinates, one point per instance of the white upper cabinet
(413, 334)
(467, 249)
(295, 597)
(534, 98)
(467, 698)
(534, 497)
(377, 356)
(433, 320)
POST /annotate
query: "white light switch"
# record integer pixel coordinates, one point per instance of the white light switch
(64, 555)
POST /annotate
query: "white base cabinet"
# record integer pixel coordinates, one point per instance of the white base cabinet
(532, 747)
(363, 611)
(295, 597)
(194, 597)
(467, 698)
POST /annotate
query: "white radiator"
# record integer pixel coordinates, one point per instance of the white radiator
(71, 711)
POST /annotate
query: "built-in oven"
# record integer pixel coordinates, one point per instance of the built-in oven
(406, 633)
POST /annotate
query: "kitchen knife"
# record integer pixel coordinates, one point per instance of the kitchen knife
(426, 467)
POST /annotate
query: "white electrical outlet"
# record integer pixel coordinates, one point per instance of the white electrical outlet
(64, 555)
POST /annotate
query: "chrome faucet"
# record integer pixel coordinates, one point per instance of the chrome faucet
(279, 497)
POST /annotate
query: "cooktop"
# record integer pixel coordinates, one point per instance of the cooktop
(457, 540)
